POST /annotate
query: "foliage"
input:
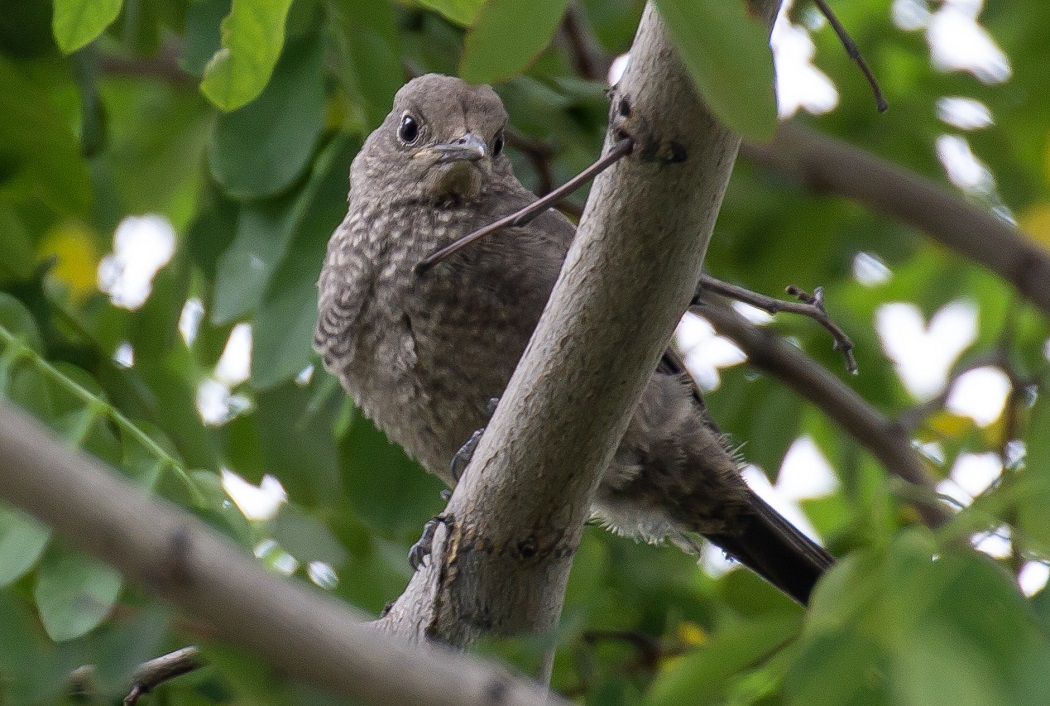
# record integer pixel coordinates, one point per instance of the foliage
(237, 123)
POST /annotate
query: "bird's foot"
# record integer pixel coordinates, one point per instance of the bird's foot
(461, 459)
(419, 552)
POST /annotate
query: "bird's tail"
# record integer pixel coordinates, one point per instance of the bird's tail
(776, 550)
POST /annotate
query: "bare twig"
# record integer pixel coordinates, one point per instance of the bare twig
(884, 438)
(811, 306)
(534, 209)
(827, 165)
(854, 53)
(155, 672)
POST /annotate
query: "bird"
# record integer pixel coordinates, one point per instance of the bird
(423, 355)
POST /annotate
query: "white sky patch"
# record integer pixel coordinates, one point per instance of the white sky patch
(974, 473)
(1032, 577)
(259, 502)
(124, 356)
(800, 84)
(141, 246)
(910, 15)
(617, 68)
(964, 113)
(995, 544)
(869, 270)
(959, 43)
(805, 472)
(190, 319)
(757, 481)
(980, 394)
(962, 166)
(931, 450)
(753, 313)
(235, 363)
(705, 352)
(923, 354)
(322, 574)
(217, 404)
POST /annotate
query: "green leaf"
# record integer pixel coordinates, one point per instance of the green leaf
(263, 148)
(77, 22)
(366, 35)
(284, 322)
(507, 36)
(704, 674)
(387, 489)
(306, 538)
(74, 593)
(1032, 515)
(264, 232)
(727, 53)
(252, 36)
(22, 542)
(462, 12)
(40, 158)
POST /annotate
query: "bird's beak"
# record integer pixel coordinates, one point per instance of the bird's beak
(469, 148)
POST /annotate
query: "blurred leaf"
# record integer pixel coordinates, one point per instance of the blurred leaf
(252, 36)
(74, 593)
(462, 12)
(386, 488)
(1032, 515)
(77, 22)
(39, 156)
(727, 53)
(368, 43)
(704, 674)
(506, 36)
(22, 542)
(306, 538)
(203, 34)
(284, 322)
(263, 148)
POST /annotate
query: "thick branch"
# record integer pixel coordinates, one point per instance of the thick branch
(828, 165)
(517, 515)
(885, 439)
(307, 635)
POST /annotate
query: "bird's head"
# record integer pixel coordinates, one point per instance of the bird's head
(442, 142)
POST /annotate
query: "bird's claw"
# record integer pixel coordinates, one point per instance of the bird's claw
(461, 459)
(419, 552)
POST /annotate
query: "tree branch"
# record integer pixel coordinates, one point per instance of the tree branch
(886, 440)
(828, 165)
(516, 517)
(308, 635)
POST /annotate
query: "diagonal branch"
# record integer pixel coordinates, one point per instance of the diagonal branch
(827, 165)
(884, 438)
(501, 562)
(306, 634)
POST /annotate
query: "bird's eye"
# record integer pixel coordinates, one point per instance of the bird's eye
(497, 144)
(408, 130)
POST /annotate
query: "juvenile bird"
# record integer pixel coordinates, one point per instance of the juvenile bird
(422, 355)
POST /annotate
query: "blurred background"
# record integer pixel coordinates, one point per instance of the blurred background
(170, 174)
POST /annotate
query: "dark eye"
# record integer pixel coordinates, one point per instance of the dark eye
(408, 130)
(497, 144)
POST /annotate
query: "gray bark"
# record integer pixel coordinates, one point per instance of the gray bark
(502, 563)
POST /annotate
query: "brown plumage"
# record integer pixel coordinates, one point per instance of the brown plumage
(422, 356)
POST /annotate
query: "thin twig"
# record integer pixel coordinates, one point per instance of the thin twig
(155, 672)
(810, 305)
(854, 53)
(619, 150)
